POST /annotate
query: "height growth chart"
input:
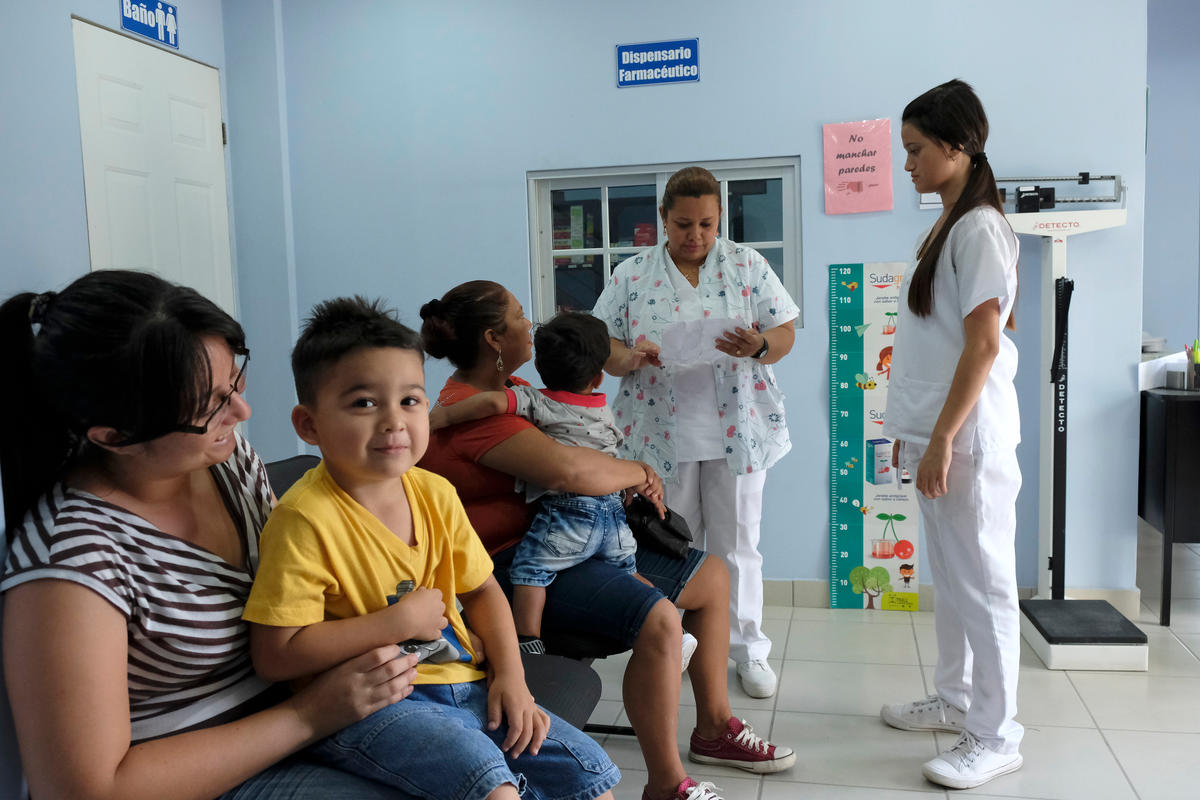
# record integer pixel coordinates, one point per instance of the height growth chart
(872, 506)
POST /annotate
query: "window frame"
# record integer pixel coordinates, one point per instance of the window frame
(542, 183)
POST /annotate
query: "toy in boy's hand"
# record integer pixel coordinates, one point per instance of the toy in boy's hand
(435, 651)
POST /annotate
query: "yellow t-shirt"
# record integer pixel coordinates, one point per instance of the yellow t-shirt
(322, 556)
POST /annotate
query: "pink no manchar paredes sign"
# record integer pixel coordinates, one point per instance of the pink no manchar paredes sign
(858, 166)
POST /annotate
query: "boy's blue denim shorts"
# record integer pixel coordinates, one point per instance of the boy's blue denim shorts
(435, 744)
(606, 603)
(569, 529)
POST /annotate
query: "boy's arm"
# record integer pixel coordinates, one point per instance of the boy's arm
(477, 406)
(508, 696)
(284, 653)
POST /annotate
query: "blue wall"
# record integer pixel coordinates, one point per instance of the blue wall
(262, 205)
(1172, 253)
(411, 127)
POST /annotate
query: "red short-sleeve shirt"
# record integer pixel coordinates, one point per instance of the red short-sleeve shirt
(498, 513)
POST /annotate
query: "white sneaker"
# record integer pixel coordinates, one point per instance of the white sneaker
(931, 714)
(757, 677)
(969, 764)
(689, 648)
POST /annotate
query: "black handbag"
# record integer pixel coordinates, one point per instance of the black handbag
(670, 535)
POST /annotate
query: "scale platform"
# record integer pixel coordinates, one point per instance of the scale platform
(1083, 634)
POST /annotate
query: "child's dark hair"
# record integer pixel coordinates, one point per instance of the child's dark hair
(115, 348)
(951, 114)
(570, 350)
(452, 327)
(690, 182)
(338, 327)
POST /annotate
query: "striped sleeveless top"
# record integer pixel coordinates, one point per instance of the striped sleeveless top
(189, 654)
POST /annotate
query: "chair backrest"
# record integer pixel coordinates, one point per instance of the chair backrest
(569, 688)
(285, 472)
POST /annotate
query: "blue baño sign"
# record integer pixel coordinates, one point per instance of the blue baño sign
(153, 19)
(675, 61)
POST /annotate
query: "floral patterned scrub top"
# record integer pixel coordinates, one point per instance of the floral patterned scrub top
(639, 302)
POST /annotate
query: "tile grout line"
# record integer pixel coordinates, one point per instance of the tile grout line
(920, 658)
(1103, 737)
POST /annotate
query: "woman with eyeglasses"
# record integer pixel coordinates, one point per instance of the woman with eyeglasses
(132, 513)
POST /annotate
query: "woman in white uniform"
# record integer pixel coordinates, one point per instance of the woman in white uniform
(712, 427)
(952, 410)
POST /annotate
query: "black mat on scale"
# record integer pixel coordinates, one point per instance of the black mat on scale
(1081, 622)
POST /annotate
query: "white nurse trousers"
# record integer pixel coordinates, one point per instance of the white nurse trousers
(723, 511)
(969, 536)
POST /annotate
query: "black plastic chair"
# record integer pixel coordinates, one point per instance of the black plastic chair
(283, 473)
(564, 684)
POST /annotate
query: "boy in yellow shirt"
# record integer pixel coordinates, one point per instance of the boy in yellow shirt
(362, 523)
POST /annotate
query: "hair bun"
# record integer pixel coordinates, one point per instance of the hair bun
(431, 309)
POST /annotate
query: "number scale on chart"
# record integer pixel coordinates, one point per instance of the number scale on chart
(846, 431)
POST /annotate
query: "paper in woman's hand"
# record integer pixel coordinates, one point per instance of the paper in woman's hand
(694, 341)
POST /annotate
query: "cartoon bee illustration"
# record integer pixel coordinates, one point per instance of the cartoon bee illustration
(865, 509)
(852, 285)
(864, 381)
(852, 463)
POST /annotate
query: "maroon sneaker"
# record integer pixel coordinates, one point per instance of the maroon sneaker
(690, 790)
(740, 747)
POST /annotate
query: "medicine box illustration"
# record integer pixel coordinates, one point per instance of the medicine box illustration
(879, 461)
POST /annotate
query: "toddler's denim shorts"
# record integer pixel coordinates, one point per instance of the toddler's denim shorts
(569, 529)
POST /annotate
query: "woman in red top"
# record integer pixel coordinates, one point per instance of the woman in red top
(481, 328)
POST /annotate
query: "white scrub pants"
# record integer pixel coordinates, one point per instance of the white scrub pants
(723, 511)
(969, 535)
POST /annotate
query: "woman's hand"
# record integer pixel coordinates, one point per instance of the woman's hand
(652, 489)
(643, 353)
(623, 359)
(740, 342)
(932, 471)
(896, 454)
(352, 690)
(509, 698)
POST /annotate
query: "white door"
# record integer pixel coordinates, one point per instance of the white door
(153, 162)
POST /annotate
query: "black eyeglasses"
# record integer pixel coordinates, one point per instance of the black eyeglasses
(238, 386)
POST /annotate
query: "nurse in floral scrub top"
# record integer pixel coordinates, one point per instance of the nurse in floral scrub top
(711, 429)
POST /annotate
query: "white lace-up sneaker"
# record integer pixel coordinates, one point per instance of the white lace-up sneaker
(690, 790)
(969, 764)
(931, 714)
(757, 677)
(689, 649)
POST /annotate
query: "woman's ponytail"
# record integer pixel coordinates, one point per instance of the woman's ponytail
(37, 441)
(951, 115)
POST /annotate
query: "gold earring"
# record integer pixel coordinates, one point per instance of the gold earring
(499, 362)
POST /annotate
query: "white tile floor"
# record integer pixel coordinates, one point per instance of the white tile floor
(1088, 735)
